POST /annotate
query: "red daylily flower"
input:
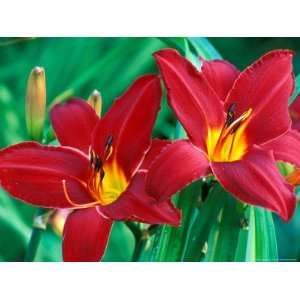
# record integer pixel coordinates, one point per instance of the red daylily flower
(238, 125)
(99, 171)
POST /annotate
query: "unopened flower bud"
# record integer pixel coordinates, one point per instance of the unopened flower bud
(35, 106)
(95, 101)
(58, 220)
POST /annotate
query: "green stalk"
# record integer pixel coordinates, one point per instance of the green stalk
(139, 243)
(139, 246)
(39, 225)
(33, 245)
(135, 229)
(141, 237)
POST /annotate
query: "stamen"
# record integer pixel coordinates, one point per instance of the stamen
(230, 114)
(231, 146)
(237, 123)
(230, 134)
(108, 147)
(109, 141)
(95, 160)
(91, 157)
(75, 205)
(100, 188)
(98, 164)
(102, 174)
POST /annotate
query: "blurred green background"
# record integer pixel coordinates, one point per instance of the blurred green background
(77, 66)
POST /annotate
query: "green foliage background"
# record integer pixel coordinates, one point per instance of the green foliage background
(77, 66)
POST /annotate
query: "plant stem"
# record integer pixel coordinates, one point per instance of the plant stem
(136, 231)
(141, 237)
(39, 225)
(33, 244)
(139, 245)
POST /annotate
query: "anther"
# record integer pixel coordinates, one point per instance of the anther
(98, 164)
(108, 146)
(233, 127)
(91, 157)
(230, 114)
(102, 174)
(109, 141)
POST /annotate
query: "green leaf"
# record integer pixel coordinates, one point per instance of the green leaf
(175, 42)
(193, 47)
(266, 244)
(204, 48)
(257, 242)
(14, 230)
(224, 233)
(171, 243)
(120, 244)
(226, 230)
(198, 235)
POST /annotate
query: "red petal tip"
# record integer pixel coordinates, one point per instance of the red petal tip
(274, 53)
(162, 52)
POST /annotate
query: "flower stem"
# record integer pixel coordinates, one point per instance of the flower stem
(33, 244)
(141, 237)
(39, 225)
(139, 246)
(135, 229)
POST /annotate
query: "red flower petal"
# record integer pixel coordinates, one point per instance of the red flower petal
(35, 174)
(295, 109)
(73, 122)
(265, 87)
(256, 180)
(85, 236)
(195, 103)
(135, 205)
(178, 165)
(296, 125)
(220, 74)
(295, 113)
(286, 148)
(156, 147)
(129, 123)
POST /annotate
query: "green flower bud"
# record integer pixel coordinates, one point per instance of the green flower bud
(95, 101)
(35, 105)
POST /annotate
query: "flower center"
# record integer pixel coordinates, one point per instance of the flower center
(229, 143)
(107, 181)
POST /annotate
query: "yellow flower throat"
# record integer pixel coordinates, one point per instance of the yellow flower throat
(107, 181)
(228, 143)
